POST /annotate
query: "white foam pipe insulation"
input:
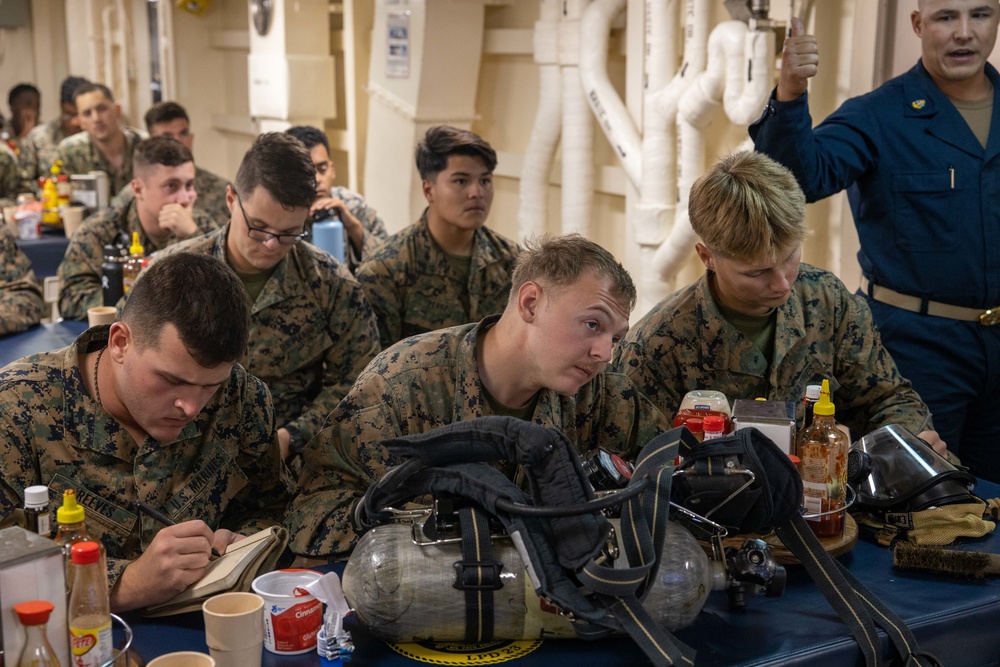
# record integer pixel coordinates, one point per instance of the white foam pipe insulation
(606, 105)
(578, 130)
(666, 152)
(545, 133)
(742, 92)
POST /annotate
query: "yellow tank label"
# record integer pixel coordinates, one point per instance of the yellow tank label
(454, 653)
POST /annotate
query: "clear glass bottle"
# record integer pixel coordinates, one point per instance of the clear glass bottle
(36, 510)
(91, 643)
(37, 652)
(134, 263)
(72, 529)
(822, 450)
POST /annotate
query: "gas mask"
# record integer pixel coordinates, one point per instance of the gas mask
(892, 469)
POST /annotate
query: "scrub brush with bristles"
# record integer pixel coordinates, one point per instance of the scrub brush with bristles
(971, 564)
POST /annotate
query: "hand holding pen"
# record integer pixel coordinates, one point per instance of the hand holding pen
(173, 560)
(157, 515)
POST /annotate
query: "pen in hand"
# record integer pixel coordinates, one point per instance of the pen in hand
(157, 515)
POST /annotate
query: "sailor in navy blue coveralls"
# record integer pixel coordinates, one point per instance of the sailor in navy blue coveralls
(925, 195)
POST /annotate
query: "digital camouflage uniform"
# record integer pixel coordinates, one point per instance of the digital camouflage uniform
(424, 382)
(413, 288)
(822, 331)
(38, 152)
(224, 467)
(374, 227)
(20, 297)
(311, 333)
(80, 270)
(10, 175)
(211, 199)
(81, 156)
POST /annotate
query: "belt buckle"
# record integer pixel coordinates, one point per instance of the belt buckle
(990, 317)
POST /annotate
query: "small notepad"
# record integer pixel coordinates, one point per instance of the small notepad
(235, 570)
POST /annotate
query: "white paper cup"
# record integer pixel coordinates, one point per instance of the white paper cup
(234, 629)
(182, 659)
(291, 622)
(72, 216)
(101, 315)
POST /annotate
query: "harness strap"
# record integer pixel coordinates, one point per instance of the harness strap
(478, 574)
(643, 527)
(855, 604)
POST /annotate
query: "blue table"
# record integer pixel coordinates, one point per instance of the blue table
(41, 338)
(953, 619)
(45, 252)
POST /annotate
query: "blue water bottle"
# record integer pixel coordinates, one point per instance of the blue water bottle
(328, 233)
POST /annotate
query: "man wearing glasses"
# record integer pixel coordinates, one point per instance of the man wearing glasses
(312, 330)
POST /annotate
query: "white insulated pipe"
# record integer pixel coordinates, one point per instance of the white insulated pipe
(671, 253)
(610, 111)
(657, 202)
(541, 149)
(577, 126)
(725, 81)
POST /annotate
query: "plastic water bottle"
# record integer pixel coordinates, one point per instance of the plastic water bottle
(89, 608)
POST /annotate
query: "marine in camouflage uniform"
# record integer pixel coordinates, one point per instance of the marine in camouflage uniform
(224, 467)
(20, 296)
(429, 381)
(79, 155)
(312, 332)
(414, 288)
(211, 200)
(38, 152)
(80, 270)
(822, 331)
(374, 228)
(10, 175)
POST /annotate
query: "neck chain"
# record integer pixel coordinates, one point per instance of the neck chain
(97, 387)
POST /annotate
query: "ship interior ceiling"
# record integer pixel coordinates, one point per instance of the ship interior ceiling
(602, 112)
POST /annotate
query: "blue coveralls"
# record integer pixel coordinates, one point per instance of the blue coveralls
(926, 202)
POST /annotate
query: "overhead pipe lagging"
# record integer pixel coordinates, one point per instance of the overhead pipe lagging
(655, 209)
(608, 109)
(578, 132)
(689, 159)
(541, 151)
(726, 81)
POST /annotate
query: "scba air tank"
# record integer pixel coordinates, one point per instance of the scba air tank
(404, 592)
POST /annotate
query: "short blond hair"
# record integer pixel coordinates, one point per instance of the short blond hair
(748, 207)
(559, 261)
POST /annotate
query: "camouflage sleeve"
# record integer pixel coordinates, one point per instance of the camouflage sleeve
(374, 232)
(205, 222)
(379, 285)
(872, 393)
(651, 373)
(18, 464)
(28, 164)
(264, 499)
(21, 301)
(70, 165)
(80, 274)
(351, 326)
(10, 175)
(123, 197)
(339, 464)
(625, 419)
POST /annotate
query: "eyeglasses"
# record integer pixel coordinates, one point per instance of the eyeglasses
(263, 236)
